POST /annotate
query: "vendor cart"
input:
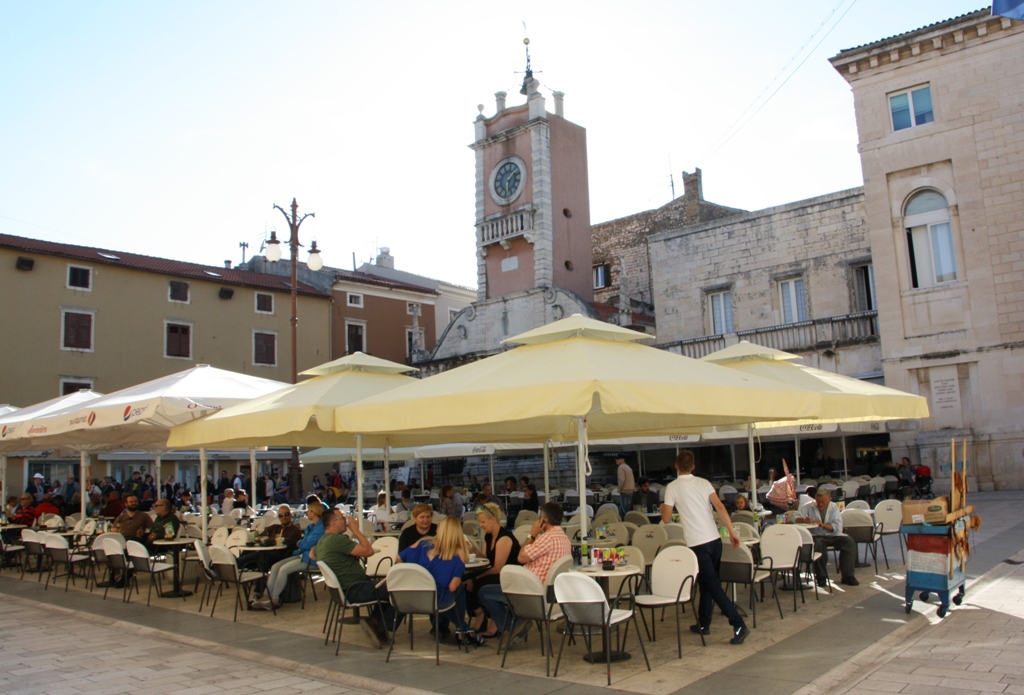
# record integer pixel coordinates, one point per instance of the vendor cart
(934, 563)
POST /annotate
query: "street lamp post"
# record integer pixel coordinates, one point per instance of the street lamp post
(313, 263)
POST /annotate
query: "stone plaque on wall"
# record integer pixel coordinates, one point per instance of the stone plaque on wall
(945, 405)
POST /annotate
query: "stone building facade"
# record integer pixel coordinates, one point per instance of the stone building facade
(796, 277)
(621, 256)
(941, 133)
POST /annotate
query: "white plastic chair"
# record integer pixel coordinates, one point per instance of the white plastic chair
(673, 583)
(526, 517)
(851, 490)
(521, 532)
(144, 564)
(60, 554)
(889, 513)
(378, 564)
(225, 565)
(412, 591)
(338, 605)
(583, 602)
(220, 536)
(674, 532)
(738, 567)
(528, 599)
(858, 525)
(636, 518)
(809, 556)
(781, 545)
(114, 550)
(859, 504)
(649, 538)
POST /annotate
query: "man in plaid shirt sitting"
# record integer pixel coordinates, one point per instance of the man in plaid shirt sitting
(545, 544)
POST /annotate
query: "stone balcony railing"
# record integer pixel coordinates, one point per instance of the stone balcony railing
(501, 229)
(803, 336)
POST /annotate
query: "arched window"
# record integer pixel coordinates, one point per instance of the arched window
(929, 239)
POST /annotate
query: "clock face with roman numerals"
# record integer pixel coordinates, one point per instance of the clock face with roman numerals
(507, 180)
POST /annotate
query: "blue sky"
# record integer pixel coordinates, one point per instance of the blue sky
(171, 129)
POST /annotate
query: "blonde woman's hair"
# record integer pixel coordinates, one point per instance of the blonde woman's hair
(449, 540)
(490, 509)
(316, 509)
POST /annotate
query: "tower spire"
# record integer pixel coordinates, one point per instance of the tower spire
(529, 70)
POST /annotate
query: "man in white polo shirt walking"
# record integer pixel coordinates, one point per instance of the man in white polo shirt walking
(693, 498)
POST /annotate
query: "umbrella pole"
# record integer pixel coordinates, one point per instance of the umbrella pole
(83, 475)
(732, 456)
(796, 458)
(252, 478)
(753, 475)
(846, 472)
(387, 474)
(156, 476)
(547, 464)
(490, 478)
(359, 480)
(581, 474)
(3, 477)
(203, 467)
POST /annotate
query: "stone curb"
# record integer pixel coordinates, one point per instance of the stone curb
(862, 665)
(330, 676)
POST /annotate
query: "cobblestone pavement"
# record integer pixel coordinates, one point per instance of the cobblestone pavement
(977, 648)
(51, 653)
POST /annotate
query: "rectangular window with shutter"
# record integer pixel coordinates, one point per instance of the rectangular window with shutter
(264, 349)
(264, 303)
(69, 385)
(179, 340)
(720, 305)
(864, 288)
(79, 278)
(791, 300)
(355, 337)
(76, 330)
(177, 291)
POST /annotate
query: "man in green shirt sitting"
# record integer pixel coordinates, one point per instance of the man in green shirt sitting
(165, 518)
(342, 554)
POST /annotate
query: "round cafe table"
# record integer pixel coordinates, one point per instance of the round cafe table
(602, 576)
(175, 545)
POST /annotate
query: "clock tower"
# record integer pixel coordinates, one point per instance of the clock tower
(532, 199)
(532, 228)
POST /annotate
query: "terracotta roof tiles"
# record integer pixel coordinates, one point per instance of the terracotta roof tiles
(152, 264)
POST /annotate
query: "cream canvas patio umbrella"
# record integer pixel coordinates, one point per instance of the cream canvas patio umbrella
(140, 416)
(13, 421)
(570, 380)
(301, 414)
(843, 399)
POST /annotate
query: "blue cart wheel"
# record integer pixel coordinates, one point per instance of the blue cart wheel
(942, 611)
(958, 599)
(924, 596)
(909, 606)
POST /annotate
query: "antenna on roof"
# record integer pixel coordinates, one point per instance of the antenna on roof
(671, 181)
(243, 245)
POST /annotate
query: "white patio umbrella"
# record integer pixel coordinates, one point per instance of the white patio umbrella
(5, 409)
(569, 380)
(14, 427)
(140, 417)
(301, 414)
(843, 399)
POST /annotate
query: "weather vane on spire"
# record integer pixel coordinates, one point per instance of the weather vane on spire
(529, 70)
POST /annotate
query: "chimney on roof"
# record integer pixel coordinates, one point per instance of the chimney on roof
(385, 259)
(227, 264)
(693, 195)
(559, 107)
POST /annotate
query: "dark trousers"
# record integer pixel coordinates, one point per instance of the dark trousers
(847, 554)
(367, 591)
(709, 558)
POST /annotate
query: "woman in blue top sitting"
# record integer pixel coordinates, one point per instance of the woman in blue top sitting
(298, 562)
(444, 556)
